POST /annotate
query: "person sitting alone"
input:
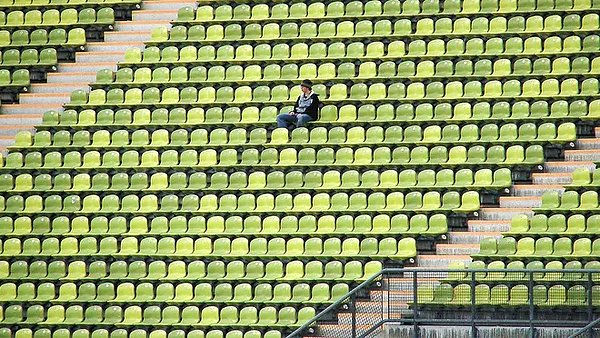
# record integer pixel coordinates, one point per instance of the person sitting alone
(305, 110)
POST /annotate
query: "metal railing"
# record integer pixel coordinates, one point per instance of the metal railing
(465, 300)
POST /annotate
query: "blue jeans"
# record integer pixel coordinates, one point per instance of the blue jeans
(285, 120)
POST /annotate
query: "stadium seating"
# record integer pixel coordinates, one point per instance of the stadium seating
(166, 198)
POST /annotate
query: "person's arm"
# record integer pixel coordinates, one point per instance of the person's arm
(313, 109)
(295, 106)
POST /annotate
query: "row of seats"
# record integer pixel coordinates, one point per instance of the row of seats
(52, 17)
(223, 293)
(505, 295)
(325, 71)
(137, 333)
(338, 9)
(421, 156)
(366, 28)
(56, 38)
(377, 92)
(30, 58)
(473, 47)
(182, 271)
(569, 201)
(29, 4)
(528, 248)
(584, 178)
(542, 225)
(450, 134)
(246, 203)
(275, 180)
(220, 248)
(233, 225)
(130, 316)
(384, 113)
(16, 79)
(511, 272)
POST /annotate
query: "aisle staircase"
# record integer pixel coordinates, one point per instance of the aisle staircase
(77, 75)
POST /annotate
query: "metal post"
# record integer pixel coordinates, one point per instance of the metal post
(415, 306)
(473, 309)
(531, 307)
(590, 306)
(353, 312)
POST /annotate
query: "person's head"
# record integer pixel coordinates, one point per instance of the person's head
(306, 86)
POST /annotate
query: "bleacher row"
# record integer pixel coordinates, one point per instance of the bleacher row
(406, 180)
(168, 181)
(403, 114)
(274, 73)
(235, 225)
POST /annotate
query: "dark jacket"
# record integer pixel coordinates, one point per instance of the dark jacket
(309, 105)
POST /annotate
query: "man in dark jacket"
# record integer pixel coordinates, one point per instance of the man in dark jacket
(305, 110)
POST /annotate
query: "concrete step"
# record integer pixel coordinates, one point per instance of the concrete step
(582, 155)
(47, 88)
(533, 190)
(471, 237)
(94, 57)
(12, 129)
(127, 36)
(167, 4)
(6, 141)
(551, 178)
(520, 201)
(115, 47)
(21, 119)
(362, 318)
(154, 14)
(493, 226)
(588, 143)
(597, 132)
(456, 249)
(50, 98)
(86, 68)
(29, 108)
(567, 166)
(503, 213)
(67, 76)
(441, 261)
(134, 26)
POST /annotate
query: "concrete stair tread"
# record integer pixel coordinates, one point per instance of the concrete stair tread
(589, 139)
(71, 84)
(169, 1)
(71, 74)
(125, 33)
(44, 94)
(76, 64)
(444, 256)
(141, 22)
(114, 43)
(484, 221)
(31, 105)
(560, 163)
(98, 53)
(476, 233)
(154, 11)
(20, 116)
(457, 245)
(497, 209)
(16, 126)
(549, 175)
(520, 197)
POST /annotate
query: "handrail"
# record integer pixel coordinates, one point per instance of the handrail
(585, 328)
(297, 333)
(337, 303)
